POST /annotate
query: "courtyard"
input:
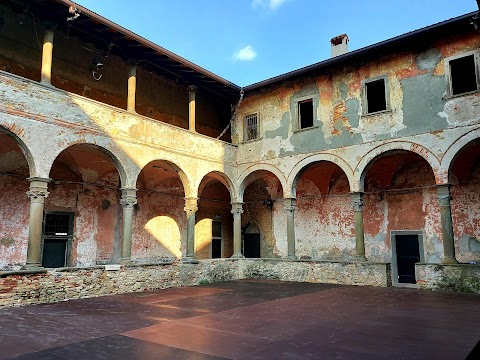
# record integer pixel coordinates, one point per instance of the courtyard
(248, 319)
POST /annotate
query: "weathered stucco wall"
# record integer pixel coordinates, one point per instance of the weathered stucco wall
(400, 195)
(72, 66)
(416, 85)
(90, 151)
(14, 215)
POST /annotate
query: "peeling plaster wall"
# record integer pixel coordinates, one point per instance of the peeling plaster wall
(402, 209)
(466, 218)
(421, 120)
(416, 85)
(324, 226)
(14, 215)
(95, 224)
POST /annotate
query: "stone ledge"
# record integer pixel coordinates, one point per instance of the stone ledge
(52, 285)
(22, 272)
(448, 277)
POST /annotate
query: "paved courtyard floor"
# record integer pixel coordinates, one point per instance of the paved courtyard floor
(249, 319)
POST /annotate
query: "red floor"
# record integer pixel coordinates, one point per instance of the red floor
(248, 320)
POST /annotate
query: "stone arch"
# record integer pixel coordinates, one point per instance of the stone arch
(110, 153)
(223, 178)
(454, 149)
(368, 159)
(303, 164)
(24, 148)
(187, 188)
(243, 180)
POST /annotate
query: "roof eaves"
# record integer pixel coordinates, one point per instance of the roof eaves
(355, 53)
(150, 44)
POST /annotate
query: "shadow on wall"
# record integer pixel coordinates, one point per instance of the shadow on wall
(166, 232)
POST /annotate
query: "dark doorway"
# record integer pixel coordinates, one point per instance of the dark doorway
(216, 248)
(57, 236)
(251, 245)
(407, 255)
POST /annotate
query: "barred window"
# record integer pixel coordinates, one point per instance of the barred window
(251, 127)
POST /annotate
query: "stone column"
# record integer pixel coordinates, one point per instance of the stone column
(128, 202)
(290, 205)
(46, 76)
(37, 194)
(237, 211)
(132, 85)
(443, 192)
(357, 201)
(190, 208)
(191, 107)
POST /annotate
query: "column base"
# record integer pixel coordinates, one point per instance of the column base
(33, 266)
(189, 260)
(360, 258)
(237, 256)
(291, 257)
(125, 261)
(449, 260)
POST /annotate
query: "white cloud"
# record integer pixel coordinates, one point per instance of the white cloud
(270, 4)
(246, 54)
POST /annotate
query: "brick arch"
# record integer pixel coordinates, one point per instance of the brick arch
(223, 178)
(187, 188)
(24, 148)
(368, 158)
(454, 149)
(242, 181)
(112, 153)
(303, 164)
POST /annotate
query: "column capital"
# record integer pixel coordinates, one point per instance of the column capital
(357, 201)
(191, 205)
(132, 62)
(290, 204)
(49, 25)
(237, 209)
(192, 88)
(38, 189)
(129, 198)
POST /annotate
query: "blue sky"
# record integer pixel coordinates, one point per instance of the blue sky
(246, 41)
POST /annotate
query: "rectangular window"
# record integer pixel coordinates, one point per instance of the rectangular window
(463, 74)
(305, 114)
(375, 96)
(216, 239)
(251, 127)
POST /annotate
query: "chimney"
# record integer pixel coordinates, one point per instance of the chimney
(339, 45)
